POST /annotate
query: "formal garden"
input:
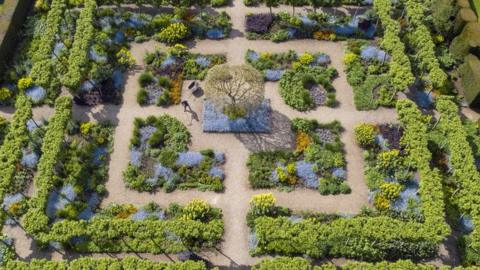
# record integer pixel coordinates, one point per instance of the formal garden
(240, 134)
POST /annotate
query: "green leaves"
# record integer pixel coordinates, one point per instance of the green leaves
(400, 67)
(78, 58)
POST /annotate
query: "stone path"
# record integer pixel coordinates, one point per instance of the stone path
(234, 201)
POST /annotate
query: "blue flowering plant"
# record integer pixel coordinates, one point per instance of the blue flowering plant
(160, 158)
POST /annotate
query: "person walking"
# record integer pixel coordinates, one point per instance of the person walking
(185, 105)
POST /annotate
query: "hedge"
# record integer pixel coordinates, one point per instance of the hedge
(78, 59)
(422, 42)
(464, 169)
(42, 68)
(36, 219)
(400, 68)
(303, 264)
(369, 238)
(128, 263)
(15, 140)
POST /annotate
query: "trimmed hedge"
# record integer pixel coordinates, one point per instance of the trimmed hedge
(128, 263)
(400, 68)
(42, 68)
(16, 138)
(422, 42)
(36, 219)
(78, 59)
(465, 172)
(369, 238)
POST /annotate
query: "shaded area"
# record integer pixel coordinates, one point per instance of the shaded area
(281, 137)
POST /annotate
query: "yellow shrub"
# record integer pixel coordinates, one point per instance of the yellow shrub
(24, 83)
(381, 202)
(303, 140)
(349, 58)
(86, 127)
(127, 211)
(306, 58)
(391, 190)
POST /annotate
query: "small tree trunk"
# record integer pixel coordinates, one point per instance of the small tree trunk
(293, 6)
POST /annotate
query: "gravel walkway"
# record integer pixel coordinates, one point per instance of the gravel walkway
(235, 200)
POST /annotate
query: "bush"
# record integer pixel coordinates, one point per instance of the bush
(174, 33)
(280, 35)
(365, 134)
(24, 83)
(145, 79)
(142, 97)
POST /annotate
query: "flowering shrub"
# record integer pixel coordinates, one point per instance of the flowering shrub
(303, 140)
(189, 159)
(125, 57)
(173, 33)
(262, 204)
(365, 134)
(24, 83)
(36, 93)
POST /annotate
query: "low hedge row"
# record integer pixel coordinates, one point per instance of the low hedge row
(36, 219)
(400, 68)
(464, 171)
(128, 263)
(363, 237)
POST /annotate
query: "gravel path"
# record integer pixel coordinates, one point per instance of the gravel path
(234, 201)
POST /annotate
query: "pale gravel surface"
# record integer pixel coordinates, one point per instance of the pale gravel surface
(234, 201)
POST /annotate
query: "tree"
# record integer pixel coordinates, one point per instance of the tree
(270, 4)
(235, 89)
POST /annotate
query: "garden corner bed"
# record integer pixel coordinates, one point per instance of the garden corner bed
(318, 161)
(159, 157)
(305, 80)
(161, 83)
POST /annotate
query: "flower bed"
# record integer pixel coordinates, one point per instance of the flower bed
(256, 121)
(160, 158)
(393, 184)
(274, 65)
(321, 26)
(367, 69)
(317, 163)
(165, 71)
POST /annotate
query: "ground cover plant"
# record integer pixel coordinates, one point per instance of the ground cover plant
(318, 161)
(162, 81)
(321, 26)
(314, 3)
(369, 236)
(160, 158)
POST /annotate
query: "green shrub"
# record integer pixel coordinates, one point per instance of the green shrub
(280, 35)
(142, 97)
(145, 79)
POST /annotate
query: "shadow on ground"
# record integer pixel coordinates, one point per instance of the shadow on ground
(281, 137)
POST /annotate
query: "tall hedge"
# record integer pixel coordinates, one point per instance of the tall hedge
(400, 71)
(128, 263)
(36, 219)
(464, 170)
(42, 68)
(78, 59)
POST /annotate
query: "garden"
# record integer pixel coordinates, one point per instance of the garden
(305, 80)
(159, 157)
(161, 82)
(351, 113)
(318, 161)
